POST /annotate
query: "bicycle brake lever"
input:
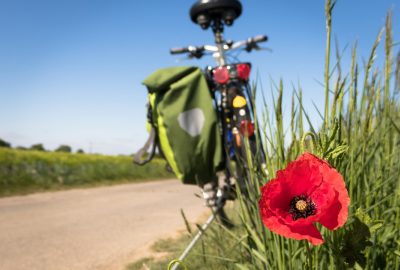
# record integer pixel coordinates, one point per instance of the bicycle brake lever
(189, 57)
(263, 49)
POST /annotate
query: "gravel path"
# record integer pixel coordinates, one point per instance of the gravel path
(96, 228)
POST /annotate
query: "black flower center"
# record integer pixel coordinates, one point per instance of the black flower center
(302, 207)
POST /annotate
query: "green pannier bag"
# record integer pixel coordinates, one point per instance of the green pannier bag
(183, 124)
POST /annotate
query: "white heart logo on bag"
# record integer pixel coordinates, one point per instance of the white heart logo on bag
(192, 121)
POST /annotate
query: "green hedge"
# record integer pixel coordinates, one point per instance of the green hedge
(26, 171)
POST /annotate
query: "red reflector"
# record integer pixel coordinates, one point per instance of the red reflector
(221, 75)
(243, 71)
(246, 128)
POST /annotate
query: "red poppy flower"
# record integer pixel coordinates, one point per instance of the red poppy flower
(309, 190)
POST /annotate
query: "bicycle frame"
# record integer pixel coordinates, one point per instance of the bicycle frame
(219, 56)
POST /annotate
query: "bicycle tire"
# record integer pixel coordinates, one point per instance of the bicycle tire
(249, 146)
(242, 171)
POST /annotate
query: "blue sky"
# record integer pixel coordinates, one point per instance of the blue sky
(71, 70)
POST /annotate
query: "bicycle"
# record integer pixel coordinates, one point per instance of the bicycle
(229, 84)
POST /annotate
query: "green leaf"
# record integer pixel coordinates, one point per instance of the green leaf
(357, 238)
(339, 150)
(355, 241)
(358, 267)
(373, 225)
(259, 256)
(241, 266)
(376, 226)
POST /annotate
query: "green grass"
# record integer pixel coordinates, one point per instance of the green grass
(213, 251)
(360, 137)
(24, 172)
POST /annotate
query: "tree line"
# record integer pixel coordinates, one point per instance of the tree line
(39, 147)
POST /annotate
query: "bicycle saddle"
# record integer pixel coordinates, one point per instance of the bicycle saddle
(203, 12)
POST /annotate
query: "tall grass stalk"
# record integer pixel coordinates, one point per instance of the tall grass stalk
(328, 12)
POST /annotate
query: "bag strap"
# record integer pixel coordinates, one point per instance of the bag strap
(151, 142)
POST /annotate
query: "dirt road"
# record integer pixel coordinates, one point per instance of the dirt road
(97, 228)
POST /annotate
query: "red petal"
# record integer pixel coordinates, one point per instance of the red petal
(307, 232)
(301, 176)
(313, 158)
(331, 219)
(323, 197)
(275, 198)
(334, 210)
(336, 215)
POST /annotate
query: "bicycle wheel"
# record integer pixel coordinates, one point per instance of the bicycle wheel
(248, 149)
(241, 145)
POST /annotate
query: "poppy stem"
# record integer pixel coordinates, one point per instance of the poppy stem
(309, 255)
(313, 139)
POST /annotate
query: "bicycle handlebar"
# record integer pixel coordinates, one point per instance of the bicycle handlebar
(178, 50)
(260, 38)
(249, 44)
(193, 51)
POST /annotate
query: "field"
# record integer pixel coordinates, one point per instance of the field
(359, 136)
(23, 171)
